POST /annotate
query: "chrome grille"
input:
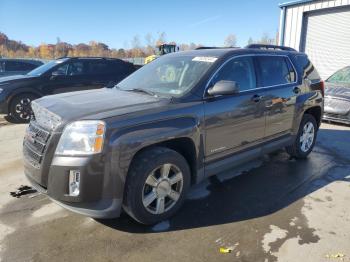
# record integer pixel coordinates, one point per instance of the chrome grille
(34, 144)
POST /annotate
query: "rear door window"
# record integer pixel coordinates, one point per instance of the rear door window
(100, 68)
(29, 66)
(274, 70)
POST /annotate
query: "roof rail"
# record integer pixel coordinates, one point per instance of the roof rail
(215, 47)
(274, 47)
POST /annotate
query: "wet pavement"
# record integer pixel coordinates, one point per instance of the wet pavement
(278, 210)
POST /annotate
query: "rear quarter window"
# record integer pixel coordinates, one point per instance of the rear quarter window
(306, 67)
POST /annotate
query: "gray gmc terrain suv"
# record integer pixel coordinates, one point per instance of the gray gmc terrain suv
(184, 117)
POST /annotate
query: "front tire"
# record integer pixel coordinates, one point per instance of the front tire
(305, 139)
(20, 109)
(156, 186)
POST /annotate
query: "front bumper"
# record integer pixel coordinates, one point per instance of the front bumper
(96, 199)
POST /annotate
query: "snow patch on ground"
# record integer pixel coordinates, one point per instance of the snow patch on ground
(271, 237)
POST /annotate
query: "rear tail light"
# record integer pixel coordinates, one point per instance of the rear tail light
(322, 87)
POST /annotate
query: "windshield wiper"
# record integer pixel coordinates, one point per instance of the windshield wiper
(141, 91)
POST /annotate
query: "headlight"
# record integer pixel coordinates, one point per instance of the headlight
(82, 138)
(44, 117)
(1, 90)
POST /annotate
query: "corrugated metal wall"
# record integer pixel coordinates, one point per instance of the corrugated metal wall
(326, 39)
(295, 19)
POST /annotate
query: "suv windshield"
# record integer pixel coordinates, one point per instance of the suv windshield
(45, 67)
(169, 75)
(341, 76)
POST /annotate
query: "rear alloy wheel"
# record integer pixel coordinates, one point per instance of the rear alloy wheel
(20, 108)
(156, 185)
(305, 139)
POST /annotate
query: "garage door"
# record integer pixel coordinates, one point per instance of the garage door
(326, 39)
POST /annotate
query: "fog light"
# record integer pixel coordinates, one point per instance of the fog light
(74, 182)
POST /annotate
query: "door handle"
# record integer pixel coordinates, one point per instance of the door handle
(296, 90)
(256, 98)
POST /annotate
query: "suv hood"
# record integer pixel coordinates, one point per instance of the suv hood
(337, 90)
(105, 102)
(15, 78)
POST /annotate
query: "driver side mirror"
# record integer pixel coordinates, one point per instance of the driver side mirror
(224, 87)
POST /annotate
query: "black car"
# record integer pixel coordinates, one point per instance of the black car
(337, 97)
(174, 122)
(9, 66)
(58, 76)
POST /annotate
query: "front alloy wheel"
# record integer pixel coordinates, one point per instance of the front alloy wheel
(156, 185)
(20, 108)
(162, 189)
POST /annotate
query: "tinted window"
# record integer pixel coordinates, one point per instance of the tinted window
(107, 67)
(46, 67)
(28, 66)
(307, 67)
(240, 70)
(61, 70)
(15, 66)
(275, 70)
(76, 68)
(99, 68)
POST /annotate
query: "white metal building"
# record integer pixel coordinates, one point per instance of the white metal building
(320, 28)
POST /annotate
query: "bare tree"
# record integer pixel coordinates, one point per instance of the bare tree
(267, 40)
(149, 39)
(230, 40)
(250, 41)
(161, 38)
(135, 42)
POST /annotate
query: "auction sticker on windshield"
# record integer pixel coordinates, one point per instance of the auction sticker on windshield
(208, 59)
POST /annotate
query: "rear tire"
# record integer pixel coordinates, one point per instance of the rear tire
(305, 139)
(156, 186)
(20, 109)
